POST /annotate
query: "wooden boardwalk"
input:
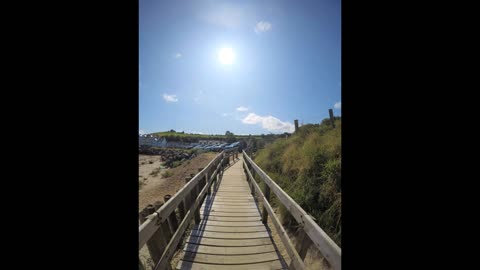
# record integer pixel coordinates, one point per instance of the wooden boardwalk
(231, 234)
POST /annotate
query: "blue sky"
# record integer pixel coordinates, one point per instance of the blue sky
(286, 65)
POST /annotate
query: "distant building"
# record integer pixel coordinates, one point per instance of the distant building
(150, 140)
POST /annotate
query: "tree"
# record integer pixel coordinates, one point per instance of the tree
(230, 137)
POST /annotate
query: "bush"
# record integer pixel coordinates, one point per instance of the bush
(176, 163)
(167, 174)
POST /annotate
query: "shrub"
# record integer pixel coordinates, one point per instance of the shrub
(167, 174)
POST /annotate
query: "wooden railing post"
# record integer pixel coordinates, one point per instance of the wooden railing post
(188, 198)
(181, 210)
(303, 244)
(172, 219)
(264, 210)
(157, 243)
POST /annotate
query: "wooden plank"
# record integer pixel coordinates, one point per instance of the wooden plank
(233, 199)
(212, 228)
(231, 224)
(230, 259)
(243, 194)
(229, 242)
(228, 250)
(230, 235)
(232, 219)
(183, 265)
(232, 203)
(329, 249)
(230, 209)
(230, 214)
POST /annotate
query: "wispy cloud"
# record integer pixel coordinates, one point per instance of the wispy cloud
(242, 109)
(224, 114)
(170, 98)
(262, 26)
(269, 123)
(177, 55)
(141, 132)
(338, 105)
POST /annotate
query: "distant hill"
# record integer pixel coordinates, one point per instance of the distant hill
(189, 137)
(307, 166)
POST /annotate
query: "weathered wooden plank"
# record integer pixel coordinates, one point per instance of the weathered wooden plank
(230, 214)
(231, 224)
(230, 259)
(229, 250)
(228, 242)
(184, 265)
(230, 229)
(232, 203)
(226, 197)
(242, 194)
(329, 249)
(230, 235)
(232, 219)
(230, 209)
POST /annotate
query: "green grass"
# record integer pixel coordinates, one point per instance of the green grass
(307, 166)
(167, 174)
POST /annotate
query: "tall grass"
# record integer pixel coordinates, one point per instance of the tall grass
(308, 167)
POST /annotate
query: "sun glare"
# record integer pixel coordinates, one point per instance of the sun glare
(226, 56)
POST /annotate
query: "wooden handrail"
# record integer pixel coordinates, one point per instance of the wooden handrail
(152, 223)
(297, 262)
(329, 249)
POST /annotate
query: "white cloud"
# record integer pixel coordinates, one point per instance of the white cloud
(224, 114)
(170, 98)
(141, 132)
(262, 26)
(338, 105)
(178, 55)
(242, 109)
(269, 123)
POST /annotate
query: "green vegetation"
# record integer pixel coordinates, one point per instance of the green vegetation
(167, 174)
(176, 163)
(155, 172)
(307, 166)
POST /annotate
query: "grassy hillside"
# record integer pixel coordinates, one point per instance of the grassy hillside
(307, 166)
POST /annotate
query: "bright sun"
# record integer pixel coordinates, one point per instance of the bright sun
(226, 56)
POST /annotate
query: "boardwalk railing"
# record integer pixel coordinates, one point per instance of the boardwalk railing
(310, 231)
(160, 230)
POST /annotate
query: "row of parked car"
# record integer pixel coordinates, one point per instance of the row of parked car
(217, 147)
